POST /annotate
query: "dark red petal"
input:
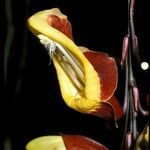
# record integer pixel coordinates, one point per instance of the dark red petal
(107, 70)
(78, 142)
(110, 110)
(61, 24)
(105, 110)
(116, 106)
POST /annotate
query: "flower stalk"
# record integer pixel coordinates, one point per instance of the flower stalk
(131, 105)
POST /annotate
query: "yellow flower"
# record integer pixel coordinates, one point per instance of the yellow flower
(87, 79)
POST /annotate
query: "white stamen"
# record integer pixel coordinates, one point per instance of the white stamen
(66, 59)
(49, 44)
(72, 62)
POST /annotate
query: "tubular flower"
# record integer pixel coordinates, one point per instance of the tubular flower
(64, 142)
(87, 79)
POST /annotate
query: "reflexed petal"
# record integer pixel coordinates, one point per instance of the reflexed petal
(109, 109)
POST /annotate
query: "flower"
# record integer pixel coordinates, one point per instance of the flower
(87, 79)
(64, 142)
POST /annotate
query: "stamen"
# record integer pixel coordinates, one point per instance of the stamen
(67, 61)
(72, 62)
(68, 69)
(48, 44)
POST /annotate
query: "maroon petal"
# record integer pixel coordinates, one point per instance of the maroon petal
(61, 24)
(105, 110)
(78, 142)
(109, 110)
(107, 70)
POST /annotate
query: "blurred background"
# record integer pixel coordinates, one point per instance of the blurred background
(33, 103)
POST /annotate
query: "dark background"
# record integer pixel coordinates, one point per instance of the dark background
(34, 106)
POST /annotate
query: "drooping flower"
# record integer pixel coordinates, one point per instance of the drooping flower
(64, 142)
(87, 79)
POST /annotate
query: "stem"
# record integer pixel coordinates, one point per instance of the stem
(132, 30)
(131, 97)
(9, 37)
(126, 124)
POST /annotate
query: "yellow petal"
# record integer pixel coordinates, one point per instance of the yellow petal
(89, 97)
(46, 143)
